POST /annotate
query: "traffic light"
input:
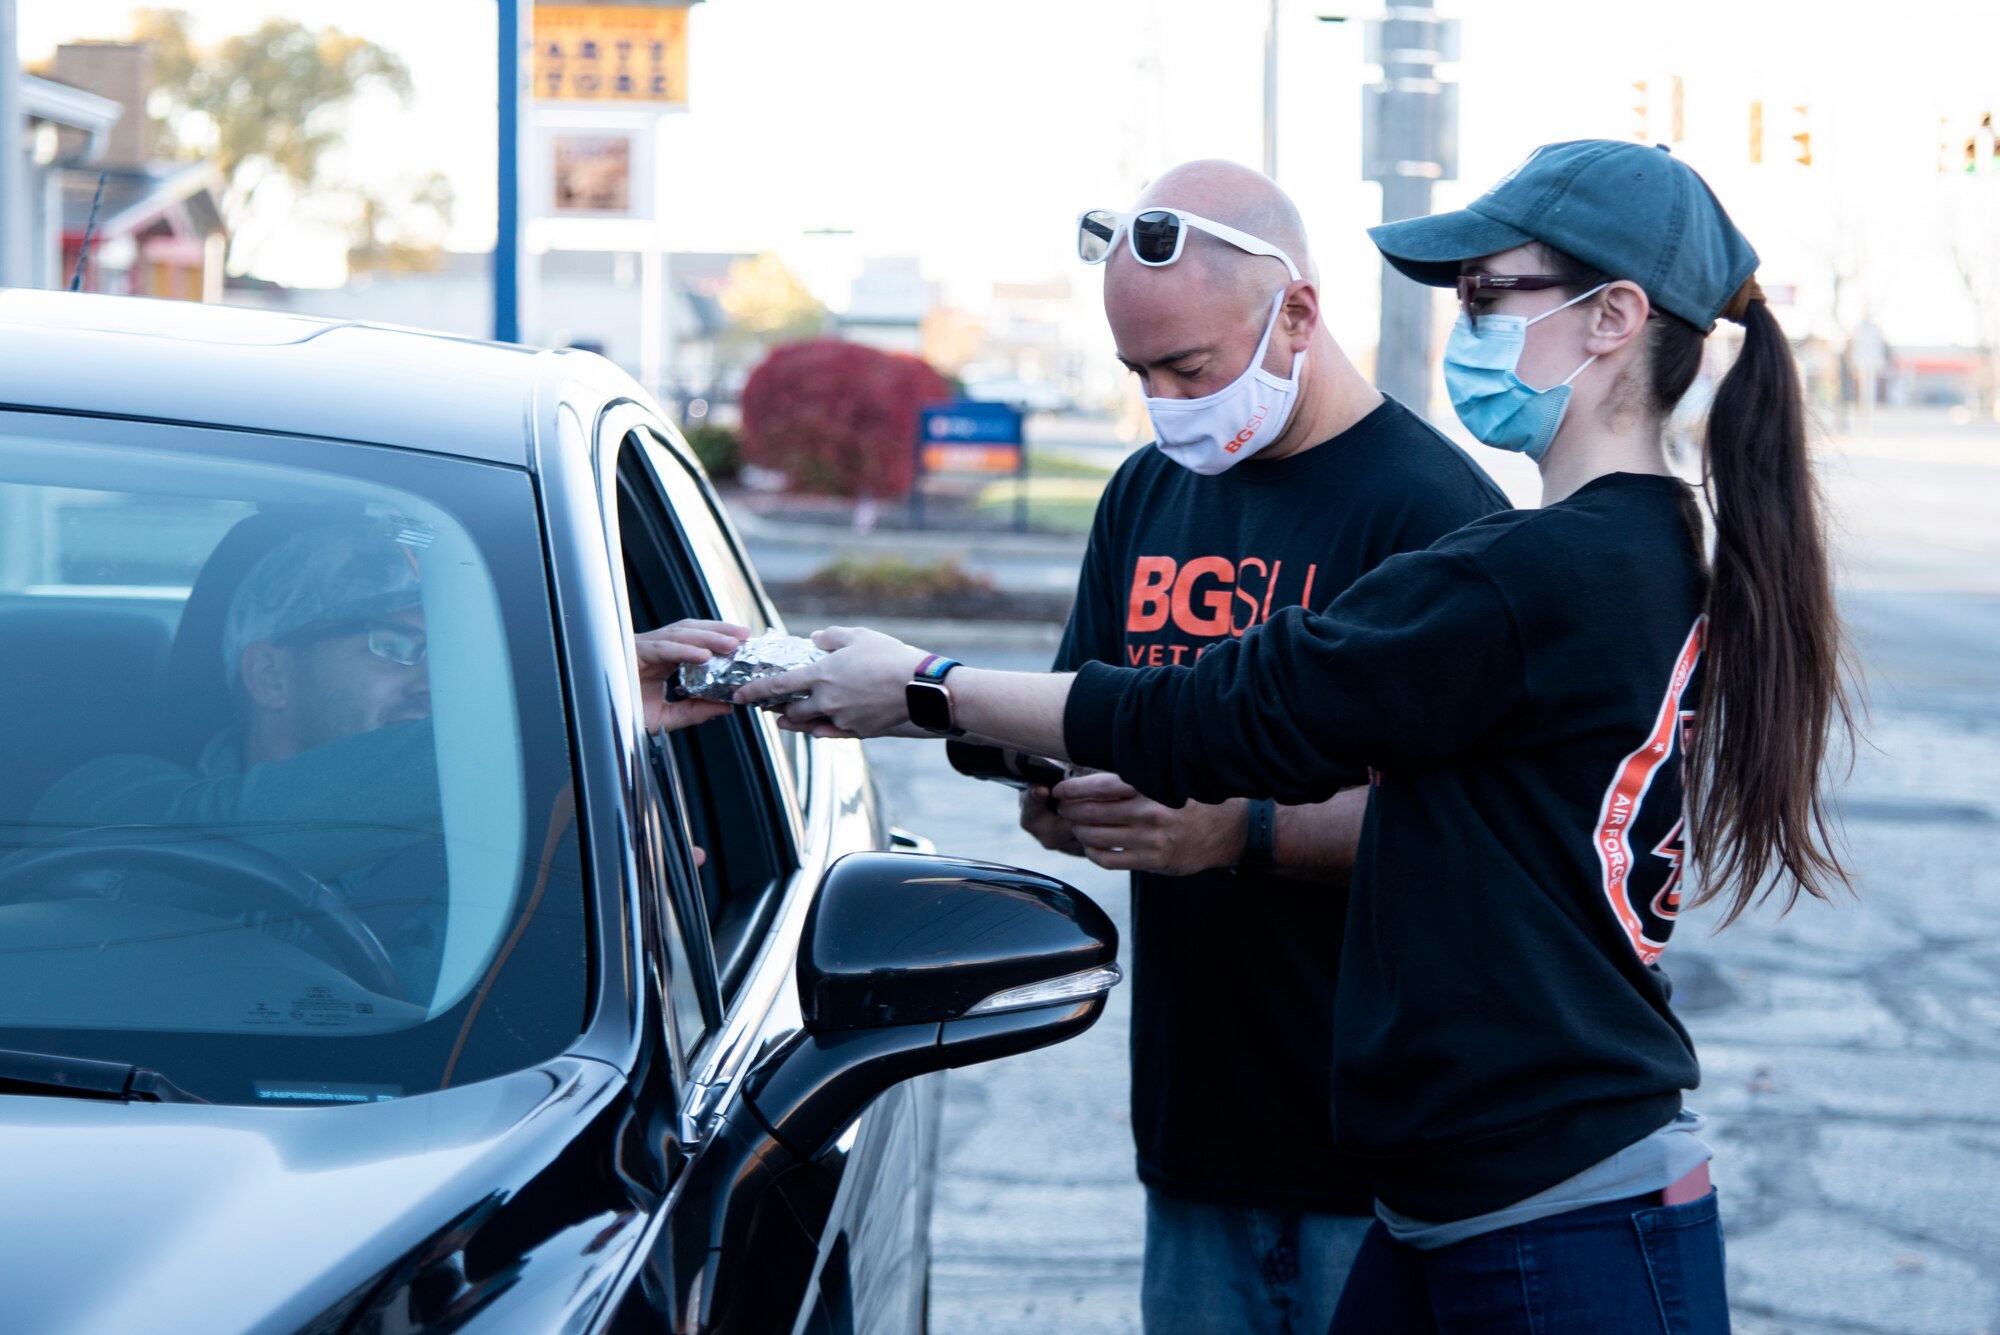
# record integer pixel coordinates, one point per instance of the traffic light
(1641, 109)
(1983, 133)
(1980, 151)
(1803, 156)
(1679, 120)
(1757, 133)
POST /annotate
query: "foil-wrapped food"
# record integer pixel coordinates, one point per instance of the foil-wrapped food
(756, 658)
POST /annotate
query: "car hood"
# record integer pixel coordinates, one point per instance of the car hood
(170, 1217)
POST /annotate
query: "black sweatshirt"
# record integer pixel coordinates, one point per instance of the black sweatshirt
(1233, 972)
(1519, 692)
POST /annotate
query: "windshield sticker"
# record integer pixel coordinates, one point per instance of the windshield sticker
(319, 1008)
(272, 1091)
(410, 532)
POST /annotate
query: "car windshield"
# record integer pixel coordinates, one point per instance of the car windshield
(285, 805)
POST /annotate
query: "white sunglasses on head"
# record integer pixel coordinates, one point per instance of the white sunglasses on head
(1155, 236)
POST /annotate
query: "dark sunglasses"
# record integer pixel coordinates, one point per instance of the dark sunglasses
(389, 640)
(1470, 285)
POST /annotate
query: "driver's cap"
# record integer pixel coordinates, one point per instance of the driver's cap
(335, 572)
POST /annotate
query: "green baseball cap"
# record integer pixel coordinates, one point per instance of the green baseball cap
(1633, 212)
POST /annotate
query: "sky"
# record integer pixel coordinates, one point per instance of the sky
(968, 134)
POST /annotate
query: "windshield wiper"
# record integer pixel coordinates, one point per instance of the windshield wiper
(85, 1078)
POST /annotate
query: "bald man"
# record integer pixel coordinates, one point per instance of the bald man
(1279, 477)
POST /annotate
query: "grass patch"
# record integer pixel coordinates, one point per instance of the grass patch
(894, 579)
(1055, 504)
(1047, 463)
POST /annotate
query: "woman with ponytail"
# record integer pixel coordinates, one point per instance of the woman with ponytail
(1561, 712)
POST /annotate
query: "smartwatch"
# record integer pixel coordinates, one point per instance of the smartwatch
(1260, 837)
(929, 699)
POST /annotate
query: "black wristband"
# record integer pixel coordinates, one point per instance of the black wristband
(1260, 837)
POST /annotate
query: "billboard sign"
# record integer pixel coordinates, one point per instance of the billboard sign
(592, 173)
(631, 54)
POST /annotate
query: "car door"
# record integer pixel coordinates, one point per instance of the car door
(771, 810)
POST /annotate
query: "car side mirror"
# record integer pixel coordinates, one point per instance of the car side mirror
(913, 963)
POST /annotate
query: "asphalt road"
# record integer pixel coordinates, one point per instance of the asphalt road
(1851, 1052)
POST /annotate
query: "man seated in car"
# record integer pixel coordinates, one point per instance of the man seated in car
(329, 762)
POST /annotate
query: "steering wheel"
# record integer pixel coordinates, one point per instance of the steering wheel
(97, 862)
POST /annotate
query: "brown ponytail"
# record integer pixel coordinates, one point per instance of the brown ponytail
(1771, 667)
(1772, 683)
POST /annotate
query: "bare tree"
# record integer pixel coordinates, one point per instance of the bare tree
(401, 226)
(1971, 220)
(1975, 253)
(264, 106)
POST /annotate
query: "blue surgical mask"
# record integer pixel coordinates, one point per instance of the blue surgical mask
(1496, 405)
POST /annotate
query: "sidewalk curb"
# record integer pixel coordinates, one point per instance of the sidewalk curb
(934, 631)
(912, 542)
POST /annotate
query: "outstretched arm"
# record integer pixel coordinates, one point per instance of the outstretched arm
(1200, 726)
(857, 691)
(1411, 666)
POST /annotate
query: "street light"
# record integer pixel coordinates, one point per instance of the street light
(1271, 85)
(1271, 93)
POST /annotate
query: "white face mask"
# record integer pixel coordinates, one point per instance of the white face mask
(1210, 434)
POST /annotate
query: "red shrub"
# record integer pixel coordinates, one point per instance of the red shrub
(837, 418)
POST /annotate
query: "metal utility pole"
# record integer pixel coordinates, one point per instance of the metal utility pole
(1271, 94)
(517, 19)
(14, 267)
(1409, 139)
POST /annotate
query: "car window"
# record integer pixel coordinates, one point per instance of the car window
(285, 810)
(708, 544)
(723, 568)
(735, 807)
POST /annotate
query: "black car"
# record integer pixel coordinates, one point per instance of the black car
(365, 964)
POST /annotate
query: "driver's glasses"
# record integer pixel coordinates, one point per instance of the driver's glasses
(390, 640)
(1472, 285)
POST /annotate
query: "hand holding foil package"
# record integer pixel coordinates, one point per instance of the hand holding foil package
(754, 659)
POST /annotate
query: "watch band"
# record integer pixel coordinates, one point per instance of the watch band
(928, 700)
(1260, 837)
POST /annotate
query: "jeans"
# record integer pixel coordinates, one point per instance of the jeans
(1628, 1266)
(1242, 1269)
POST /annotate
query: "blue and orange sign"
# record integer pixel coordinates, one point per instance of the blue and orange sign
(970, 436)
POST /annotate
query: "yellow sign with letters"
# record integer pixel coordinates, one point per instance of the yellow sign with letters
(611, 53)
